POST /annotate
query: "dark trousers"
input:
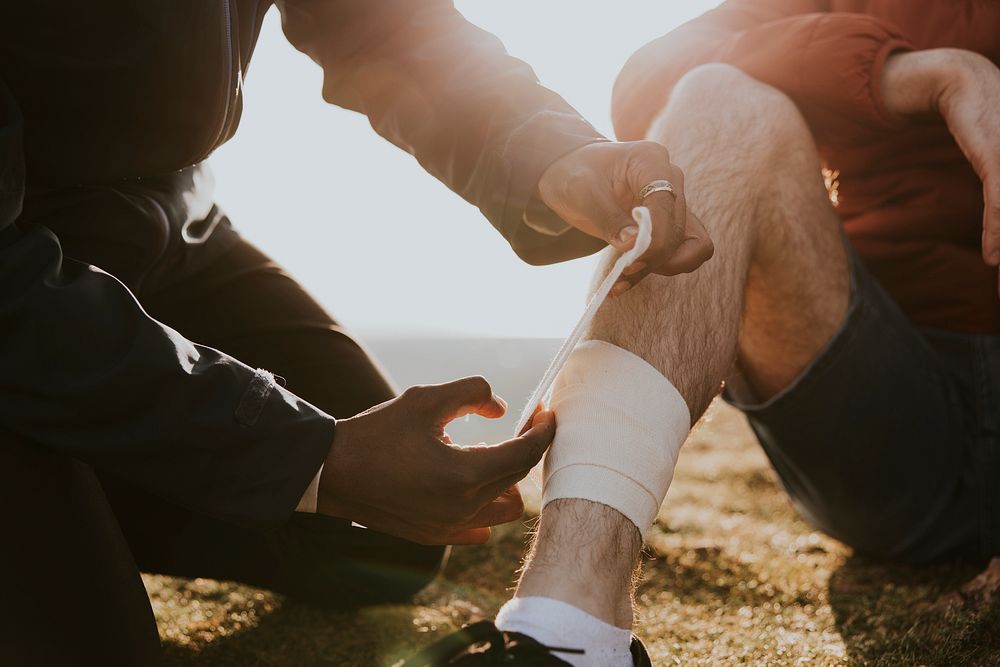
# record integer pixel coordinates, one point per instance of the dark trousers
(75, 538)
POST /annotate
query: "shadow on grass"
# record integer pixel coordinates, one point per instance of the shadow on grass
(285, 632)
(884, 613)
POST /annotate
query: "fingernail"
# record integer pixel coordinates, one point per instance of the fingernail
(627, 234)
(620, 288)
(497, 399)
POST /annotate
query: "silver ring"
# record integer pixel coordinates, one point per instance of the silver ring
(660, 185)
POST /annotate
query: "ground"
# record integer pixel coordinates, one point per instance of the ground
(733, 576)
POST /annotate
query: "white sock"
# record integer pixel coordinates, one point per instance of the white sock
(559, 624)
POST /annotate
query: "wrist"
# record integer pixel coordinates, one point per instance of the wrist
(923, 82)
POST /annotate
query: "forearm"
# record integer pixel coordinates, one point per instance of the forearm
(449, 94)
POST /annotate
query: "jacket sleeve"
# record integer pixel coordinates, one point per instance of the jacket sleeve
(447, 92)
(86, 372)
(829, 63)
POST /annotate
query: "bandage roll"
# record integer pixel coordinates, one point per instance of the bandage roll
(620, 427)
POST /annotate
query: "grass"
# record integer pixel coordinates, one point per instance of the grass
(733, 577)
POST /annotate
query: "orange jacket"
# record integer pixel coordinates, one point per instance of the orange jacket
(909, 201)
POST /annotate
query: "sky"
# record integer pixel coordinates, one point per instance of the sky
(384, 246)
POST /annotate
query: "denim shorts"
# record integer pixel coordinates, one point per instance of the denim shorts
(890, 439)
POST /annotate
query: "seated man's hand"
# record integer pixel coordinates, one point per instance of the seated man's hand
(595, 187)
(964, 87)
(394, 469)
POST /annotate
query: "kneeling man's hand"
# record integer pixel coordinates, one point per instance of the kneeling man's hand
(595, 187)
(394, 469)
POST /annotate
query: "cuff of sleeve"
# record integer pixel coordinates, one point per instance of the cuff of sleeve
(542, 219)
(311, 496)
(284, 443)
(890, 47)
(534, 231)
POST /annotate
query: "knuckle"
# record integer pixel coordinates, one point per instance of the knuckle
(414, 392)
(652, 149)
(677, 175)
(463, 478)
(479, 387)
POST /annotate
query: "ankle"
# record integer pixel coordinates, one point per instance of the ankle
(585, 555)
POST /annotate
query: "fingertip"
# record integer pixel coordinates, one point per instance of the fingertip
(620, 288)
(543, 421)
(531, 420)
(625, 238)
(471, 536)
(634, 267)
(495, 408)
(542, 431)
(492, 407)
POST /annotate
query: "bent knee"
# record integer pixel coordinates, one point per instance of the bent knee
(735, 105)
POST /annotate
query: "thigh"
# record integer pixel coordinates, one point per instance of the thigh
(72, 592)
(871, 440)
(246, 305)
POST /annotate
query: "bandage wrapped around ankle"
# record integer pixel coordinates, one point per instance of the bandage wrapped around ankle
(620, 425)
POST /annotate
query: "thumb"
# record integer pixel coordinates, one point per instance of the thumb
(509, 461)
(620, 229)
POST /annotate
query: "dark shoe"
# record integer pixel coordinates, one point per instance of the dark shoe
(483, 645)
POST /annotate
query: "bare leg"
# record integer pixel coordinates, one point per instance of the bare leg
(773, 295)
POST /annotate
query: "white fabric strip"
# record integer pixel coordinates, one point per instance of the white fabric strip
(641, 216)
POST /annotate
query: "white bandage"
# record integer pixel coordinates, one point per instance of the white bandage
(620, 425)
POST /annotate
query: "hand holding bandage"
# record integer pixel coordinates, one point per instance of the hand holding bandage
(393, 468)
(595, 187)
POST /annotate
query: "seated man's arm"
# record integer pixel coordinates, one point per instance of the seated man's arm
(449, 94)
(828, 63)
(964, 88)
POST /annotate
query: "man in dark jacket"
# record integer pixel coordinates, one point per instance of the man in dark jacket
(145, 346)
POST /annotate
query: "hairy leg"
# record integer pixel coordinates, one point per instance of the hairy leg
(773, 295)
